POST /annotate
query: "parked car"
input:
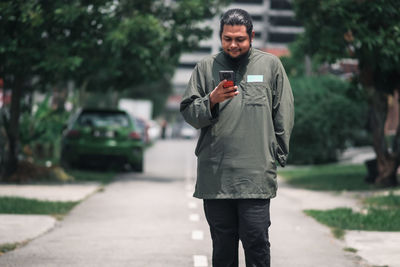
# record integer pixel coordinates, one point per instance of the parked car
(102, 136)
(143, 129)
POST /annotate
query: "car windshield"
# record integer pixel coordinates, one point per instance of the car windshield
(103, 119)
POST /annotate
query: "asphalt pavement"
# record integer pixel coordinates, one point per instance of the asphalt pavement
(151, 219)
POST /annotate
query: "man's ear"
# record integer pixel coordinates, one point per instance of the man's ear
(252, 36)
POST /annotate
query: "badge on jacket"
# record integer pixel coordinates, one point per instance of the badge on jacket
(255, 78)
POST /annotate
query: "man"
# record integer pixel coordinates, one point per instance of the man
(245, 129)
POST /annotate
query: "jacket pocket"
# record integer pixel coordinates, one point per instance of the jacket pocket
(255, 94)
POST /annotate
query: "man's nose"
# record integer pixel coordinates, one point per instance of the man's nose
(233, 44)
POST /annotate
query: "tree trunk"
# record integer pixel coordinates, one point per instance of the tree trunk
(387, 160)
(13, 128)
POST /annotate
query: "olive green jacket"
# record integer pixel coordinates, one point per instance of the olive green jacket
(243, 137)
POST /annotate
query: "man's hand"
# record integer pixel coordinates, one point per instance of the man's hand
(220, 94)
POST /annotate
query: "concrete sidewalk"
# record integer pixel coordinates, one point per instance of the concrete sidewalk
(15, 228)
(292, 232)
(291, 229)
(373, 248)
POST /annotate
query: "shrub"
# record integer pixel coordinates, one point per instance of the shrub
(327, 118)
(41, 130)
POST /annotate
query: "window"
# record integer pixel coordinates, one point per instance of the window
(257, 35)
(284, 21)
(256, 17)
(187, 65)
(281, 37)
(205, 49)
(281, 4)
(103, 119)
(248, 1)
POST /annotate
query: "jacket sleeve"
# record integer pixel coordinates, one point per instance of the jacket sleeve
(283, 113)
(195, 105)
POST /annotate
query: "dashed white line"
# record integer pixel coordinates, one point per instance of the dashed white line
(200, 261)
(194, 217)
(197, 235)
(192, 205)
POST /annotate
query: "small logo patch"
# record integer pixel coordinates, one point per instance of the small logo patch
(255, 78)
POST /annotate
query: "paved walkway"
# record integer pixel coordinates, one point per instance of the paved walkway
(375, 248)
(21, 228)
(291, 229)
(292, 232)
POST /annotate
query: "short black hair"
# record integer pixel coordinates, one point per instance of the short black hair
(236, 16)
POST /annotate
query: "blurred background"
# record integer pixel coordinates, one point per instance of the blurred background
(89, 98)
(63, 59)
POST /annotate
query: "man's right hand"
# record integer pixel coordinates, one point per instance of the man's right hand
(220, 94)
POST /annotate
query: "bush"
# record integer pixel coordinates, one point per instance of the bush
(41, 130)
(327, 118)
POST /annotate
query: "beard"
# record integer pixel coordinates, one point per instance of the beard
(240, 56)
(235, 51)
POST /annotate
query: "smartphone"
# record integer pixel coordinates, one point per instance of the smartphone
(228, 75)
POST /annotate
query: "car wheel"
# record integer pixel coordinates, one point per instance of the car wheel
(138, 166)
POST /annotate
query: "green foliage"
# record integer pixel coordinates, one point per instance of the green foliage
(142, 43)
(92, 176)
(330, 177)
(17, 205)
(295, 62)
(327, 119)
(373, 219)
(4, 248)
(366, 30)
(390, 201)
(42, 128)
(348, 249)
(101, 45)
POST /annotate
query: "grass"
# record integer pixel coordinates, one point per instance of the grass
(338, 232)
(381, 214)
(331, 177)
(390, 201)
(104, 177)
(17, 205)
(352, 250)
(7, 247)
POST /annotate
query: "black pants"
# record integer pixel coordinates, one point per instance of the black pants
(234, 219)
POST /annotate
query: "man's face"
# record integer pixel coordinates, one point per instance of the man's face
(235, 40)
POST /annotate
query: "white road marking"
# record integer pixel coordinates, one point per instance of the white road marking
(192, 205)
(200, 261)
(194, 217)
(197, 235)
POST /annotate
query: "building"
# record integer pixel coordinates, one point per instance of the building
(274, 25)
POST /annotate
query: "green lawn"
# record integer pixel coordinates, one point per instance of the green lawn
(92, 176)
(327, 177)
(381, 214)
(17, 205)
(7, 247)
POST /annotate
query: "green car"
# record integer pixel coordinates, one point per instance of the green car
(101, 137)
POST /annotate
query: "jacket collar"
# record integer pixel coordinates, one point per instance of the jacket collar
(234, 63)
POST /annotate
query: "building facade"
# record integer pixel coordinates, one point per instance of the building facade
(274, 25)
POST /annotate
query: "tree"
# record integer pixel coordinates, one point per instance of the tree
(40, 41)
(368, 31)
(99, 44)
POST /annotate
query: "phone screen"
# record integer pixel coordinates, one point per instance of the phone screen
(228, 75)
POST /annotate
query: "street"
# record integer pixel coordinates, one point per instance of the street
(151, 219)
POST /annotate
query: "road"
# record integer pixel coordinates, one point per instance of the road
(151, 220)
